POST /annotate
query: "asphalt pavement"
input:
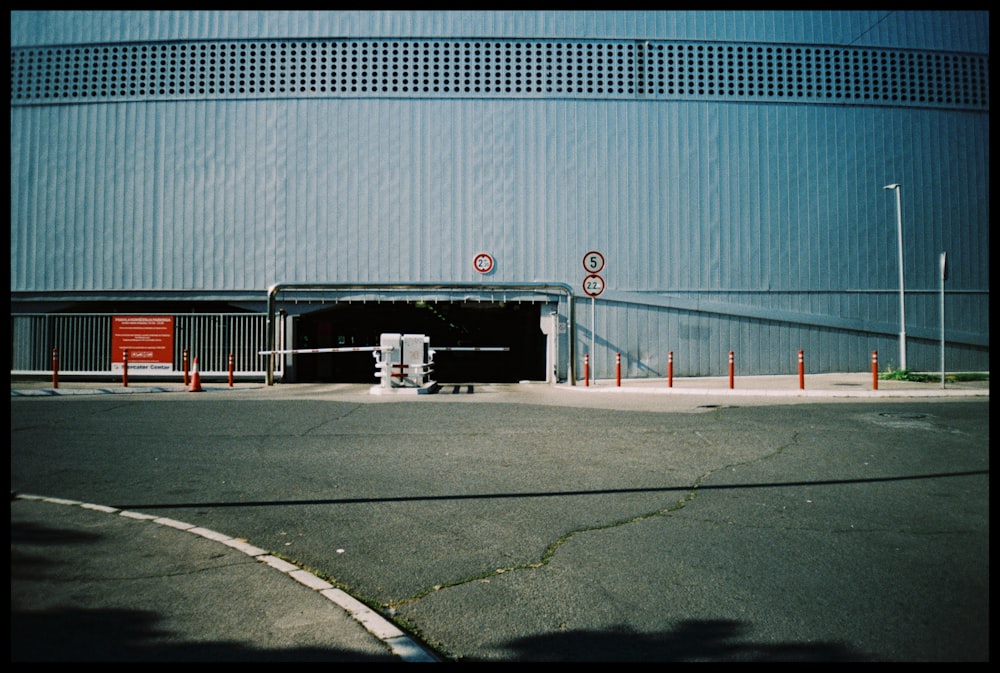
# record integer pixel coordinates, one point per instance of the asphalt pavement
(101, 574)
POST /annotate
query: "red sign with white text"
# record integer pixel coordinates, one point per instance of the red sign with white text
(149, 340)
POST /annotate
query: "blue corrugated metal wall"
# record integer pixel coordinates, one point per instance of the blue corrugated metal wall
(681, 197)
(726, 225)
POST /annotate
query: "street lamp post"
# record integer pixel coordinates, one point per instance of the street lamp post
(902, 302)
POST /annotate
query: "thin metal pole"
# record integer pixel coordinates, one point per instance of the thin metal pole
(943, 274)
(902, 293)
(593, 321)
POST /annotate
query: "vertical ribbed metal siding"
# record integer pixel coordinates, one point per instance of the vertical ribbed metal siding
(681, 196)
(236, 195)
(701, 342)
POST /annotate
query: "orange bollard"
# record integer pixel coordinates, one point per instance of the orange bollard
(874, 370)
(802, 370)
(730, 370)
(618, 369)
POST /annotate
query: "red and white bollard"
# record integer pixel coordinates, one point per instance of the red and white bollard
(670, 369)
(185, 366)
(55, 368)
(231, 370)
(802, 370)
(586, 370)
(125, 368)
(731, 372)
(618, 369)
(874, 370)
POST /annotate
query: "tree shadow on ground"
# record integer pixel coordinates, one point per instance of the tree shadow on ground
(128, 635)
(691, 641)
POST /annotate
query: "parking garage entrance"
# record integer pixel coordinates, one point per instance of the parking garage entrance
(466, 324)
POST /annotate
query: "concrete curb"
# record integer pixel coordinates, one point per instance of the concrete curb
(398, 642)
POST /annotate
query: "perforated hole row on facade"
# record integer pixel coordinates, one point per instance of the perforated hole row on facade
(622, 69)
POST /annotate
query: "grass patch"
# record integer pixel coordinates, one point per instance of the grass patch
(925, 377)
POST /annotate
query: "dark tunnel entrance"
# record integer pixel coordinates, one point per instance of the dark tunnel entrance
(514, 325)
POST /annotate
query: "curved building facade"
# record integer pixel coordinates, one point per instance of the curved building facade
(561, 184)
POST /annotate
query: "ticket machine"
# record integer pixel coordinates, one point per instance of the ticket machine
(404, 362)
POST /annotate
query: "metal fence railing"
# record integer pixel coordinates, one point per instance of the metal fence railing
(83, 343)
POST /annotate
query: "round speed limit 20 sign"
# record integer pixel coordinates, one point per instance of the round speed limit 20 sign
(483, 262)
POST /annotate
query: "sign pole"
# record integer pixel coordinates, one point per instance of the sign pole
(593, 312)
(593, 285)
(944, 277)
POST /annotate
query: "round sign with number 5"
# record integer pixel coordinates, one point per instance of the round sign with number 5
(593, 262)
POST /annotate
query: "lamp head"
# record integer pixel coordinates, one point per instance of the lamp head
(892, 186)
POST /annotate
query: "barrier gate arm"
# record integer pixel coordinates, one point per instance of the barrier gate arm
(494, 349)
(554, 286)
(356, 349)
(345, 349)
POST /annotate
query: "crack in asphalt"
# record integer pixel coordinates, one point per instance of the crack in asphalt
(554, 547)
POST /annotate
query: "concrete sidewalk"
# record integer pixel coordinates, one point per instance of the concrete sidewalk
(92, 583)
(811, 385)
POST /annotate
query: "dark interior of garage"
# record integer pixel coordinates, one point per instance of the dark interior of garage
(512, 325)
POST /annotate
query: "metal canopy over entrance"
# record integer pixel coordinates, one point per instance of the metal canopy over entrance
(448, 288)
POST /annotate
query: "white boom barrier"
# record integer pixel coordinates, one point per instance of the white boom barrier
(471, 348)
(401, 361)
(295, 351)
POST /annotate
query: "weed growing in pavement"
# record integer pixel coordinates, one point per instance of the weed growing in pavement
(925, 377)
